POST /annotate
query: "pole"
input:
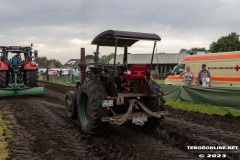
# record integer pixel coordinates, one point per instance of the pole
(153, 55)
(115, 54)
(96, 56)
(125, 59)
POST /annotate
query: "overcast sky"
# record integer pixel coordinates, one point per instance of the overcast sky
(59, 28)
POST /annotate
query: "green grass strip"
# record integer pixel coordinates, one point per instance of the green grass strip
(201, 108)
(159, 81)
(60, 83)
(41, 79)
(4, 134)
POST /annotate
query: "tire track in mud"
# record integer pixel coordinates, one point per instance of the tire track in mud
(120, 137)
(127, 143)
(181, 134)
(42, 131)
(41, 134)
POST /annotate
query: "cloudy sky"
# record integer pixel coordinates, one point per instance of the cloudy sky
(59, 28)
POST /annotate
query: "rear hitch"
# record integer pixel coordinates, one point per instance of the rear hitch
(138, 118)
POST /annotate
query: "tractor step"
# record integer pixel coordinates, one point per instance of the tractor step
(25, 91)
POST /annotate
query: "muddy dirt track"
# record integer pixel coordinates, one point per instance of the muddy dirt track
(42, 131)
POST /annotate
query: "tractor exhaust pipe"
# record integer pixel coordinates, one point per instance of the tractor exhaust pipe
(83, 64)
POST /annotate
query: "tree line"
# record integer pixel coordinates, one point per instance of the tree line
(227, 43)
(57, 63)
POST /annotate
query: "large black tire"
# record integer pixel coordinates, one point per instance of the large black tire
(3, 79)
(31, 79)
(156, 104)
(90, 109)
(71, 104)
(157, 101)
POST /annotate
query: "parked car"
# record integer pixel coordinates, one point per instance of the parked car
(52, 73)
(65, 72)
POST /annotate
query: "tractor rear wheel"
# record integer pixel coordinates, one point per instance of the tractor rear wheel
(71, 104)
(3, 79)
(156, 104)
(90, 109)
(31, 79)
(157, 101)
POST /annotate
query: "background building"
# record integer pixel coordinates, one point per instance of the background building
(162, 63)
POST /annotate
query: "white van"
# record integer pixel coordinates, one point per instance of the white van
(224, 68)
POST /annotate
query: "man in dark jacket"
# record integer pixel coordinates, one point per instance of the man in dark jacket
(200, 74)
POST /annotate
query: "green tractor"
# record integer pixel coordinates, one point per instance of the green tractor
(117, 93)
(18, 73)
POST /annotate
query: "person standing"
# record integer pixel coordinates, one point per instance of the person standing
(201, 73)
(71, 75)
(187, 77)
(47, 74)
(60, 72)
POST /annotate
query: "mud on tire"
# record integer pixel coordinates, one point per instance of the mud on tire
(31, 79)
(156, 89)
(71, 104)
(90, 106)
(3, 79)
(154, 104)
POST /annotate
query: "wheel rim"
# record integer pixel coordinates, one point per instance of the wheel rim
(83, 115)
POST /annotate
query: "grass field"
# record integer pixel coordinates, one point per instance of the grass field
(202, 109)
(61, 83)
(160, 81)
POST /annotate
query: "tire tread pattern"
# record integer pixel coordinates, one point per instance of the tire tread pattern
(32, 78)
(3, 79)
(95, 92)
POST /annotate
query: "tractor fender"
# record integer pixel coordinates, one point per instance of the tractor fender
(30, 66)
(3, 66)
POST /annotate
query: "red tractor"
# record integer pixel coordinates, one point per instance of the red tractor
(113, 93)
(18, 73)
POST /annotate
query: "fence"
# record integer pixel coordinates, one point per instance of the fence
(62, 79)
(216, 96)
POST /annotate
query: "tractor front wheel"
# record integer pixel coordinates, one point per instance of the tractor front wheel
(71, 104)
(3, 79)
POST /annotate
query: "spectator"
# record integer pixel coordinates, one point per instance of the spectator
(205, 80)
(60, 72)
(75, 74)
(71, 75)
(187, 77)
(200, 74)
(47, 74)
